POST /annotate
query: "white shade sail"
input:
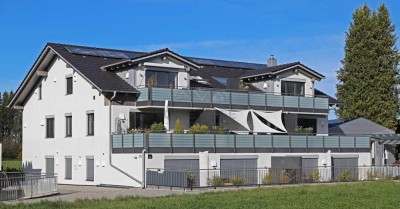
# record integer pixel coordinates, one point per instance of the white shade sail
(275, 118)
(238, 116)
(259, 126)
(166, 116)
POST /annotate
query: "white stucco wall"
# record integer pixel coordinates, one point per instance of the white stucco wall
(56, 103)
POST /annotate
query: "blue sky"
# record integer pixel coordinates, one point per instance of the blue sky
(309, 31)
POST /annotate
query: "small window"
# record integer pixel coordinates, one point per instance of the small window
(291, 88)
(90, 124)
(68, 168)
(69, 85)
(68, 126)
(49, 127)
(89, 169)
(40, 92)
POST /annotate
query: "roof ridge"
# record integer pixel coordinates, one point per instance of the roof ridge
(98, 48)
(225, 60)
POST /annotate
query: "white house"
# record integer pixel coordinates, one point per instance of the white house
(79, 102)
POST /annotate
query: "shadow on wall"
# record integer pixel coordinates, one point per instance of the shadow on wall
(27, 167)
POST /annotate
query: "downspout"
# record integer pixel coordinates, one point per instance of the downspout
(110, 151)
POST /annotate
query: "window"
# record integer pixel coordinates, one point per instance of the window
(69, 85)
(89, 169)
(161, 79)
(68, 168)
(49, 165)
(49, 127)
(90, 124)
(40, 92)
(68, 126)
(145, 120)
(292, 88)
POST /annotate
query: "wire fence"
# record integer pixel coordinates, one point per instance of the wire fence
(266, 176)
(22, 185)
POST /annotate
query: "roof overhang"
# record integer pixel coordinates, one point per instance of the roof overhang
(296, 68)
(35, 74)
(165, 54)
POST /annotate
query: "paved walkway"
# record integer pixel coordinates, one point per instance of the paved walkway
(72, 193)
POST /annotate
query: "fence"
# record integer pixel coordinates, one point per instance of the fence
(266, 176)
(234, 143)
(230, 99)
(19, 185)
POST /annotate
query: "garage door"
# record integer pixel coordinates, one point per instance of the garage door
(286, 169)
(344, 169)
(245, 168)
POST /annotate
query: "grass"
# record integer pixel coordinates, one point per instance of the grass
(358, 195)
(12, 163)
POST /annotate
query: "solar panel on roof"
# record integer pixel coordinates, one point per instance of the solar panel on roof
(227, 63)
(97, 52)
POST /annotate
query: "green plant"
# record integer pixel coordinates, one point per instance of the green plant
(157, 127)
(344, 175)
(315, 175)
(370, 176)
(198, 129)
(178, 127)
(237, 180)
(268, 179)
(285, 178)
(135, 131)
(191, 179)
(216, 181)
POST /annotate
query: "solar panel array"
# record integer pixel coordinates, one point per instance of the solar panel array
(130, 55)
(102, 53)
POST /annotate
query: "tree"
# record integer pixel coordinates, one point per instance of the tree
(10, 127)
(369, 77)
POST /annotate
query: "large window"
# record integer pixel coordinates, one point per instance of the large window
(144, 120)
(161, 79)
(90, 124)
(68, 126)
(292, 88)
(49, 127)
(69, 85)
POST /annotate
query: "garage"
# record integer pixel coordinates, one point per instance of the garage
(345, 167)
(240, 166)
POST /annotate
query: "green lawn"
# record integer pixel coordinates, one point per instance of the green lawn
(358, 195)
(12, 163)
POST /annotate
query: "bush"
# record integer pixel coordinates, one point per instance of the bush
(268, 179)
(370, 176)
(178, 127)
(344, 175)
(237, 180)
(191, 179)
(315, 175)
(285, 178)
(199, 129)
(157, 128)
(216, 181)
(219, 129)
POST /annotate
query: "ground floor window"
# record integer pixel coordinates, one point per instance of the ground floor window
(89, 169)
(68, 168)
(50, 165)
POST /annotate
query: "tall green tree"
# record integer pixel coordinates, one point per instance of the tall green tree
(10, 127)
(369, 77)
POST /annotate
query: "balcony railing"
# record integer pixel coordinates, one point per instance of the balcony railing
(210, 98)
(230, 143)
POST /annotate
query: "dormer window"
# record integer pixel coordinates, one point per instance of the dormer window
(69, 85)
(292, 88)
(162, 79)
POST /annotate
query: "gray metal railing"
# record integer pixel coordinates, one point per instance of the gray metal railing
(236, 143)
(21, 185)
(266, 176)
(211, 98)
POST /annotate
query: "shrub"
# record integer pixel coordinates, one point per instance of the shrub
(216, 181)
(268, 179)
(237, 180)
(219, 129)
(315, 175)
(178, 127)
(370, 176)
(285, 178)
(157, 127)
(344, 175)
(191, 179)
(198, 129)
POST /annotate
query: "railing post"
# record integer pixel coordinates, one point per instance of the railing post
(212, 105)
(149, 95)
(146, 143)
(230, 100)
(266, 101)
(215, 143)
(355, 147)
(234, 143)
(340, 149)
(194, 142)
(272, 142)
(298, 103)
(313, 103)
(323, 143)
(191, 97)
(290, 143)
(122, 141)
(307, 143)
(248, 100)
(254, 144)
(283, 102)
(171, 143)
(172, 97)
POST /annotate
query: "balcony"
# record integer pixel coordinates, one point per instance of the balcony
(229, 143)
(210, 98)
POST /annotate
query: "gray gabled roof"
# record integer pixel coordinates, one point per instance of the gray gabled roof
(359, 126)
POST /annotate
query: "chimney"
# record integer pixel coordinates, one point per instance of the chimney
(271, 61)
